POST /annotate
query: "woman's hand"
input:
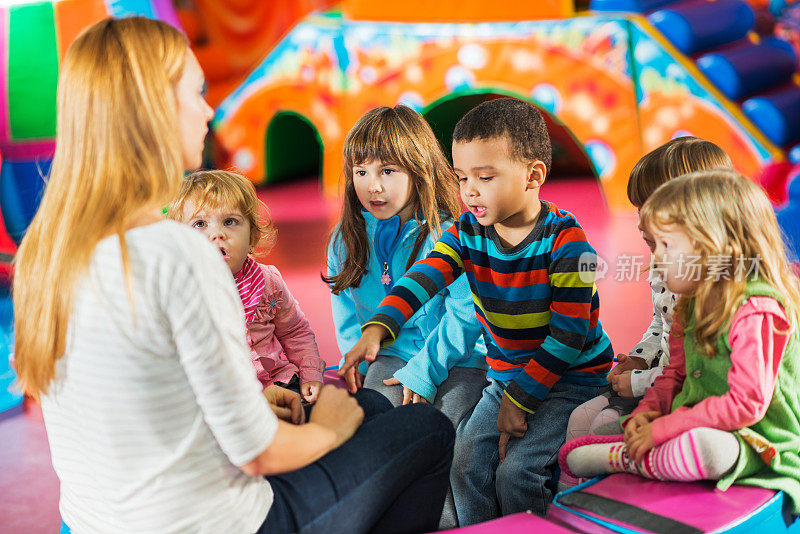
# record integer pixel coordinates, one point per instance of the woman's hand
(285, 403)
(366, 348)
(310, 390)
(409, 397)
(338, 411)
(335, 418)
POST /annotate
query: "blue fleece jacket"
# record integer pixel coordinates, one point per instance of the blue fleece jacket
(442, 334)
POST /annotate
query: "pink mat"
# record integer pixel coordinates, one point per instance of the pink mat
(527, 523)
(694, 503)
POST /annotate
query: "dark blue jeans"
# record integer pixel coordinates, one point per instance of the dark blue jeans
(391, 476)
(483, 487)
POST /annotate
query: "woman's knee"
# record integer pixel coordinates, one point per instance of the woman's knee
(430, 417)
(372, 402)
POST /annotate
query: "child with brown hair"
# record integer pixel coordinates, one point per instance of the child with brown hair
(538, 309)
(400, 195)
(223, 205)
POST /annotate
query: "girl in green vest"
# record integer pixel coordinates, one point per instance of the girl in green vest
(727, 407)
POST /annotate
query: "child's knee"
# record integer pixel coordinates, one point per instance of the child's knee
(514, 477)
(580, 420)
(718, 450)
(715, 443)
(466, 451)
(608, 420)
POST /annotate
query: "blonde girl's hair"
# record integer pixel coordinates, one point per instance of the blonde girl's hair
(674, 158)
(733, 228)
(118, 154)
(225, 190)
(394, 136)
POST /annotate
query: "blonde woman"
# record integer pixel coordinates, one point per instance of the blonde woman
(131, 333)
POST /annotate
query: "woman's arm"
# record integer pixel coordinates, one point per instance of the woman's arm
(293, 447)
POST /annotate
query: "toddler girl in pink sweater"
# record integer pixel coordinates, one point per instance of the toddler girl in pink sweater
(224, 206)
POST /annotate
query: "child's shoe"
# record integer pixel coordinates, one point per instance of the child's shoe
(590, 456)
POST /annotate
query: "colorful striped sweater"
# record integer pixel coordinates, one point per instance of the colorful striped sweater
(540, 314)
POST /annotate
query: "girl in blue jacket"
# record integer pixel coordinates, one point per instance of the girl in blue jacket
(400, 194)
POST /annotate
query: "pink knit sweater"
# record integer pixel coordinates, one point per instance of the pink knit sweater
(281, 341)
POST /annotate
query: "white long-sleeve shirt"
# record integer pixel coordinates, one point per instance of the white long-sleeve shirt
(151, 411)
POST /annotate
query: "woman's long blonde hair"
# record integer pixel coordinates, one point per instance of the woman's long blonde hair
(398, 136)
(118, 153)
(729, 220)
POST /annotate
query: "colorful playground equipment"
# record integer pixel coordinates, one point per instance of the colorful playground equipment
(230, 37)
(789, 214)
(615, 82)
(33, 38)
(628, 503)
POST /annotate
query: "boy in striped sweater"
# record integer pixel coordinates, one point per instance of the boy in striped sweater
(531, 273)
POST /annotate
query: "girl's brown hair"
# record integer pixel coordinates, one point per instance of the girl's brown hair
(680, 156)
(731, 224)
(397, 136)
(118, 155)
(217, 189)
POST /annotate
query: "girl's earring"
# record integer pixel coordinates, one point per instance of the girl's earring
(252, 250)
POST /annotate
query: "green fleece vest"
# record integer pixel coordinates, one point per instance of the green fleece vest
(769, 449)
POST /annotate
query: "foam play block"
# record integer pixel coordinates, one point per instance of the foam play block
(629, 503)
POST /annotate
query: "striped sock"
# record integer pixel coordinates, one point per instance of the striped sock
(699, 454)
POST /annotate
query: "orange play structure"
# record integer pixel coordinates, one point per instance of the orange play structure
(230, 37)
(611, 86)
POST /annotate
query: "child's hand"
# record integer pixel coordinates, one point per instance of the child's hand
(310, 390)
(621, 383)
(366, 348)
(285, 404)
(511, 423)
(409, 397)
(640, 441)
(639, 420)
(626, 363)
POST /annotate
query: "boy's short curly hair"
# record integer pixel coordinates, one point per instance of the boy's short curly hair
(521, 123)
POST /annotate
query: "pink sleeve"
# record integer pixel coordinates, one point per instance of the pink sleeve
(659, 396)
(758, 337)
(294, 333)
